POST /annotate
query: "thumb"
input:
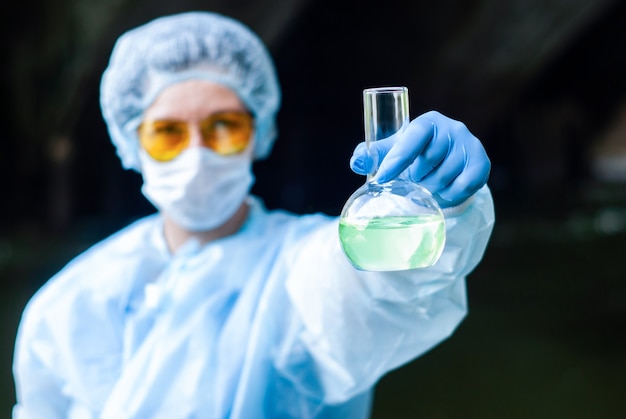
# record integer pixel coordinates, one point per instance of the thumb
(365, 161)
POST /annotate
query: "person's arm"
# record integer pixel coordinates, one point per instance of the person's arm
(39, 391)
(357, 326)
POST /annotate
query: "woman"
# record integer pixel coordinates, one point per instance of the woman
(215, 307)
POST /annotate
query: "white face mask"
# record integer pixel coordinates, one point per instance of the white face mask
(199, 190)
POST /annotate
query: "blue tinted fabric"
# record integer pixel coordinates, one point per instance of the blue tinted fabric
(272, 322)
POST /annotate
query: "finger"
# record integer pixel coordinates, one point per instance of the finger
(360, 162)
(365, 161)
(432, 157)
(411, 142)
(471, 175)
(463, 186)
(448, 136)
(444, 173)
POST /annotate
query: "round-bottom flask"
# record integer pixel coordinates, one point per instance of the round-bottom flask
(396, 225)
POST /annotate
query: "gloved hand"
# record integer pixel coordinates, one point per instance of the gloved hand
(440, 154)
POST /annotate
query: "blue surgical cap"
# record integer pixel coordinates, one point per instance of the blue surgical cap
(171, 49)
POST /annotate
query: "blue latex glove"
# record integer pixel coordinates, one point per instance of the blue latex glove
(439, 153)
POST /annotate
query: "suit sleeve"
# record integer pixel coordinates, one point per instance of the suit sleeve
(355, 326)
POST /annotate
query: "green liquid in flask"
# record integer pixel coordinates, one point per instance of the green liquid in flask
(393, 243)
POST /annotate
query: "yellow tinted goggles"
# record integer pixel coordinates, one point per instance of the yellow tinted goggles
(224, 132)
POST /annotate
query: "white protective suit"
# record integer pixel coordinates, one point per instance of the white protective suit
(272, 322)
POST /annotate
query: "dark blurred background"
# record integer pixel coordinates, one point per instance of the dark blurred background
(541, 82)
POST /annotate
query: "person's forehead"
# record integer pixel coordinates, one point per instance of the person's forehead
(193, 99)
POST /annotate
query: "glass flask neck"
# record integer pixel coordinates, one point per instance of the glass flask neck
(385, 112)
